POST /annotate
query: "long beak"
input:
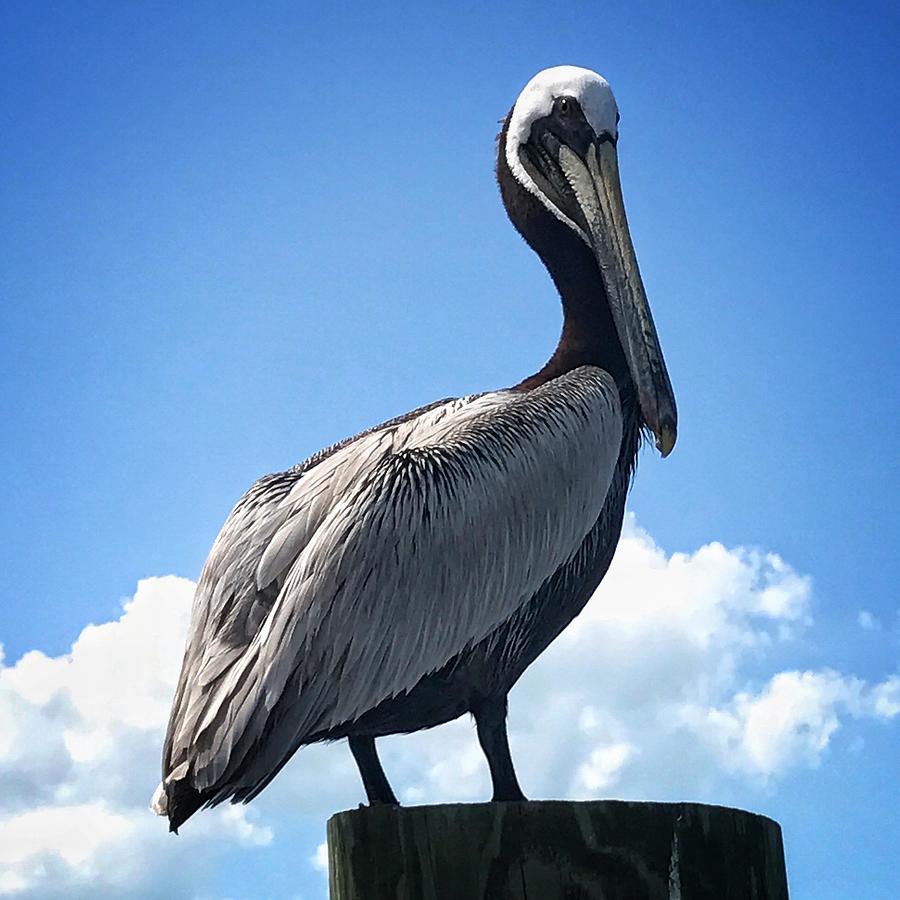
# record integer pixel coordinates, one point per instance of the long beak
(595, 182)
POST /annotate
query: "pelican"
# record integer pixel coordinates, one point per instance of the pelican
(410, 574)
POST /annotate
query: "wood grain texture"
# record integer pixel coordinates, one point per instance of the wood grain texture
(555, 850)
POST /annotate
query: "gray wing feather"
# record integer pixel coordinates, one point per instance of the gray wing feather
(229, 608)
(390, 557)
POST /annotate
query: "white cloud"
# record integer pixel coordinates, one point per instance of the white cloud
(319, 859)
(602, 768)
(79, 753)
(660, 688)
(867, 621)
(789, 722)
(885, 698)
(73, 832)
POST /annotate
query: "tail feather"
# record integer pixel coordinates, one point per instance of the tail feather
(178, 801)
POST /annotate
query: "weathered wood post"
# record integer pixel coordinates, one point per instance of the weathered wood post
(555, 850)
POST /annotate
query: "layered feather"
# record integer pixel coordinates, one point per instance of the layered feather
(343, 582)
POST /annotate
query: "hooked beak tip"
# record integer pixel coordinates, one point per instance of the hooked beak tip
(665, 438)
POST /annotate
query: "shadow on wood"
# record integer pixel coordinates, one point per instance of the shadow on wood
(555, 850)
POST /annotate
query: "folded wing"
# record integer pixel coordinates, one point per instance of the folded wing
(381, 563)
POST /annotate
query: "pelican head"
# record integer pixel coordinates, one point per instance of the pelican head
(560, 146)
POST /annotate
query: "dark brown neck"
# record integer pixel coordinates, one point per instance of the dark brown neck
(589, 336)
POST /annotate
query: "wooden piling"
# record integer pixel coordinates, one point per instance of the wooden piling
(555, 850)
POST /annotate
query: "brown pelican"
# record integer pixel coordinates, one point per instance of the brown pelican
(410, 574)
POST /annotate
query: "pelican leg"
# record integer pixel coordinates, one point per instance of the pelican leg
(378, 788)
(490, 722)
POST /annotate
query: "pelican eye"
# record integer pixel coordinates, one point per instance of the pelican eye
(565, 105)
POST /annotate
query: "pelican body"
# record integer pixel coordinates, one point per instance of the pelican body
(410, 574)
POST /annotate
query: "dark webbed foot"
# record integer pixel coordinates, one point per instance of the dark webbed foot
(378, 788)
(490, 721)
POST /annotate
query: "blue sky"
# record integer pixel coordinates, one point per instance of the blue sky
(234, 234)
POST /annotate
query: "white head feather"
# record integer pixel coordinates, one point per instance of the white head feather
(595, 98)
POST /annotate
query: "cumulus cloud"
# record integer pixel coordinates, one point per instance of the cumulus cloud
(654, 691)
(885, 698)
(79, 754)
(789, 721)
